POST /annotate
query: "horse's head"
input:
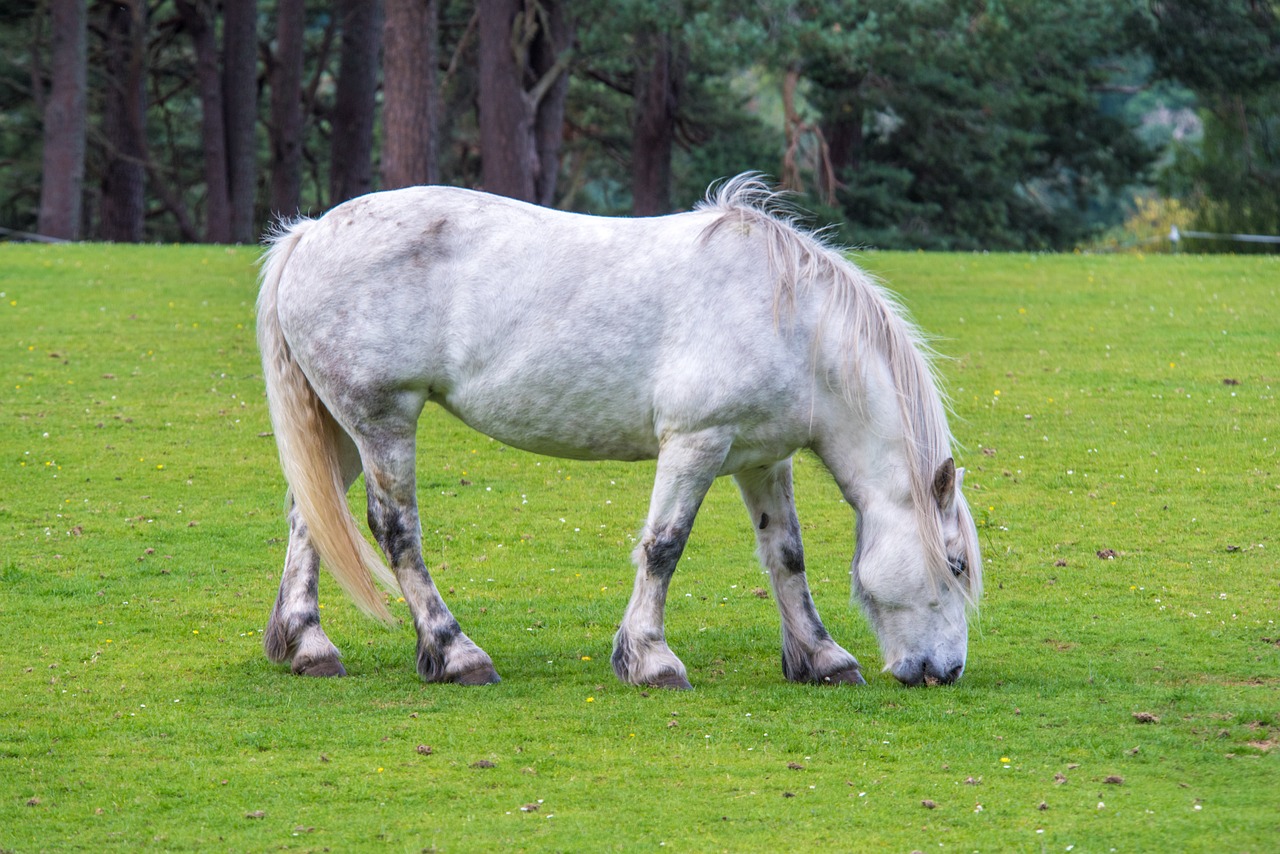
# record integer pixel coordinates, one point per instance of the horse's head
(917, 571)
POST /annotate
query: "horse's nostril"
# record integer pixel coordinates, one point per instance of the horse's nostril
(910, 673)
(931, 675)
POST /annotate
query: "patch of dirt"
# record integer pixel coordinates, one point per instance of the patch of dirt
(1251, 682)
(1106, 554)
(1146, 718)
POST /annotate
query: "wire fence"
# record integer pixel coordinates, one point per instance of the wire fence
(1178, 239)
(1176, 236)
(27, 236)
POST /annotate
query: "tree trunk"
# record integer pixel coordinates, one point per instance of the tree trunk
(351, 152)
(658, 82)
(524, 53)
(797, 130)
(410, 101)
(508, 158)
(62, 177)
(549, 58)
(286, 108)
(124, 110)
(199, 22)
(240, 106)
(842, 128)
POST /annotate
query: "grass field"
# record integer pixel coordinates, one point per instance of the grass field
(1121, 406)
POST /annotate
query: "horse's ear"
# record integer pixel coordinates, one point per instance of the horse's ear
(944, 484)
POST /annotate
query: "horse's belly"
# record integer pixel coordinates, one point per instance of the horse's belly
(557, 425)
(602, 420)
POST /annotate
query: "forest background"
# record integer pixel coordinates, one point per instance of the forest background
(939, 124)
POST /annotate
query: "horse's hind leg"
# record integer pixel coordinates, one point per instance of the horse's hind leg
(808, 652)
(293, 632)
(686, 467)
(445, 654)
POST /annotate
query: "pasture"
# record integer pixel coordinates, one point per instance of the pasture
(1119, 425)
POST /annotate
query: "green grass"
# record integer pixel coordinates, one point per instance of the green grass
(141, 540)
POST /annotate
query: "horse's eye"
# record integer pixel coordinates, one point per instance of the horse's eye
(957, 566)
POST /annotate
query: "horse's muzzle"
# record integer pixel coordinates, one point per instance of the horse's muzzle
(925, 671)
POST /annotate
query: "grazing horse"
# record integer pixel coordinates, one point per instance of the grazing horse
(719, 341)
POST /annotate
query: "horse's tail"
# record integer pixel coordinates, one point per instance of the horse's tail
(307, 436)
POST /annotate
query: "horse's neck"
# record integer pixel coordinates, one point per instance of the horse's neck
(863, 442)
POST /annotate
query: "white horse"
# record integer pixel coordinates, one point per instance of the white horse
(719, 341)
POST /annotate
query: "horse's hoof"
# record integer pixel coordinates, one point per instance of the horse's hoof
(674, 681)
(485, 675)
(848, 676)
(318, 667)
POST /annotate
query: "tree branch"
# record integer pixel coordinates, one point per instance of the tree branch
(610, 82)
(463, 43)
(543, 86)
(172, 203)
(322, 60)
(1118, 88)
(523, 31)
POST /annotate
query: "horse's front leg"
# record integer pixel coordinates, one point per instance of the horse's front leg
(808, 652)
(686, 467)
(445, 653)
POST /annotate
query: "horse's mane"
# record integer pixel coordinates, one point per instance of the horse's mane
(865, 316)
